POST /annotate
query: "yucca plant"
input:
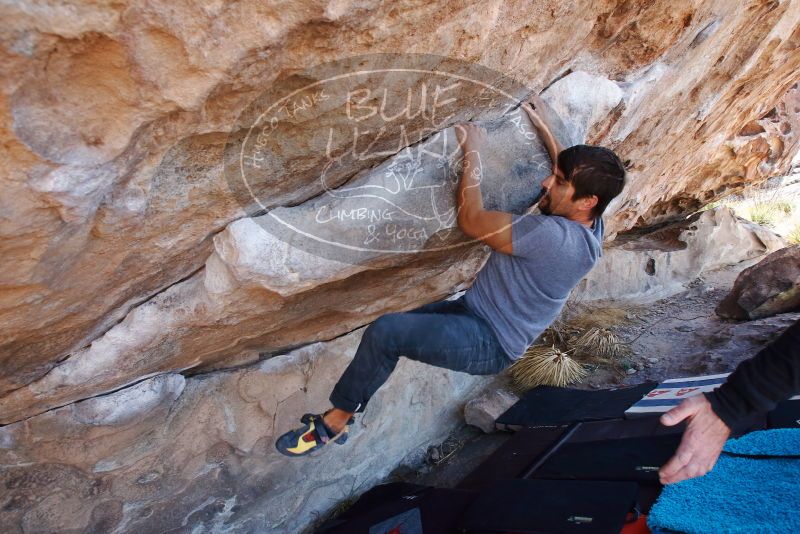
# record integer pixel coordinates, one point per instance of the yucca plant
(600, 343)
(555, 334)
(549, 366)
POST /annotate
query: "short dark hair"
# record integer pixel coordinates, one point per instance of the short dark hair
(593, 170)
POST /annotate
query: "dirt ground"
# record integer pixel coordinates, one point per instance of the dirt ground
(682, 336)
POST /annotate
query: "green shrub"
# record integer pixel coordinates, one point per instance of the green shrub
(784, 207)
(765, 213)
(712, 205)
(794, 235)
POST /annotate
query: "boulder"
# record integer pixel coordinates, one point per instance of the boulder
(317, 269)
(649, 265)
(197, 454)
(770, 287)
(114, 119)
(483, 411)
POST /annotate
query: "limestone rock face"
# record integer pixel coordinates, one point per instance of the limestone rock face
(198, 453)
(114, 120)
(265, 288)
(770, 287)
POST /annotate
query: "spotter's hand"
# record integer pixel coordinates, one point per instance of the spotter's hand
(701, 443)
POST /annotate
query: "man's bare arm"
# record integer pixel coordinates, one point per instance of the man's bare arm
(489, 226)
(532, 107)
(469, 197)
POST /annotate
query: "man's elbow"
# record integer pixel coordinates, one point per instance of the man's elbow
(467, 225)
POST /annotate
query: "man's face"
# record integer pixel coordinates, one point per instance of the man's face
(557, 199)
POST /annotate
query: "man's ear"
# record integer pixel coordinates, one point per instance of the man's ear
(588, 203)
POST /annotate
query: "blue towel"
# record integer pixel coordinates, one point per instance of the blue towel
(777, 442)
(740, 494)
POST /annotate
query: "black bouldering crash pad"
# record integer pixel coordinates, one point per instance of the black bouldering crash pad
(551, 506)
(552, 406)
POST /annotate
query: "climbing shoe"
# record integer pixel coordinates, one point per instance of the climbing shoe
(308, 417)
(312, 436)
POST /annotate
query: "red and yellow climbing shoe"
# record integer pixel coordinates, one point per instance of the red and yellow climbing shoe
(313, 435)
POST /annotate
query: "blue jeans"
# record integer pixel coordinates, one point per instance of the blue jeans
(445, 334)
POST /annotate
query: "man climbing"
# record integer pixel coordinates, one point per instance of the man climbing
(535, 262)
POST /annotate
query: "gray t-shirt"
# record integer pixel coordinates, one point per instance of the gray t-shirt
(521, 294)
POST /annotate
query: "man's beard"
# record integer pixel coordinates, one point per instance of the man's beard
(544, 197)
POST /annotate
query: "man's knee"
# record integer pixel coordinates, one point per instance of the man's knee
(385, 324)
(383, 329)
